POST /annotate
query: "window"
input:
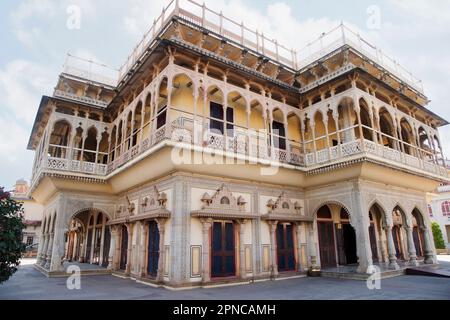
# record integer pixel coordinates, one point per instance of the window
(225, 201)
(29, 241)
(162, 117)
(430, 211)
(446, 208)
(279, 135)
(216, 114)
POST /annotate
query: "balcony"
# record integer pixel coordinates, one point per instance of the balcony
(250, 146)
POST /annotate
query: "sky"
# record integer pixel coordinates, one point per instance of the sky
(36, 36)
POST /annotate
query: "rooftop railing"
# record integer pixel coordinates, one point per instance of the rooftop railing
(342, 35)
(216, 22)
(90, 70)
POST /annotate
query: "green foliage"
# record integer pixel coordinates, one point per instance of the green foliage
(11, 226)
(437, 235)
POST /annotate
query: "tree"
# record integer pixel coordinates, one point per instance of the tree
(11, 226)
(437, 235)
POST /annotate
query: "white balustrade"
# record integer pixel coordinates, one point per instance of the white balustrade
(181, 130)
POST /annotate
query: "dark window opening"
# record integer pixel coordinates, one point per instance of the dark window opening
(279, 135)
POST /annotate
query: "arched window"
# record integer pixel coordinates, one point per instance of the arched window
(103, 148)
(59, 140)
(324, 213)
(78, 144)
(285, 205)
(99, 219)
(90, 145)
(225, 201)
(446, 208)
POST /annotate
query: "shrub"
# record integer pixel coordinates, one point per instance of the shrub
(11, 226)
(437, 235)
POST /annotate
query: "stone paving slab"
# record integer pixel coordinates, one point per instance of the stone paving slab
(29, 284)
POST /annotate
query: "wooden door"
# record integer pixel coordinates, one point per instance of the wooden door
(285, 248)
(397, 241)
(124, 249)
(153, 249)
(223, 250)
(326, 244)
(106, 247)
(373, 243)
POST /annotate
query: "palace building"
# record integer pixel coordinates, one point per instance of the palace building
(216, 155)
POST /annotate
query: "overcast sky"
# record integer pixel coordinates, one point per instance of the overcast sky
(35, 39)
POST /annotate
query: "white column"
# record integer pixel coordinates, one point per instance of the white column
(242, 271)
(273, 246)
(312, 249)
(161, 260)
(129, 249)
(102, 240)
(299, 247)
(49, 251)
(144, 245)
(411, 247)
(391, 249)
(206, 268)
(112, 247)
(429, 252)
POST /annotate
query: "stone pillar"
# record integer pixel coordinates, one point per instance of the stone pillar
(58, 247)
(112, 247)
(129, 249)
(117, 255)
(391, 249)
(48, 259)
(411, 247)
(102, 241)
(312, 249)
(360, 222)
(273, 246)
(161, 260)
(428, 250)
(206, 268)
(43, 255)
(144, 245)
(94, 229)
(180, 236)
(299, 247)
(242, 271)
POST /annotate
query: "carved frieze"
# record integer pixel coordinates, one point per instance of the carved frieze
(223, 205)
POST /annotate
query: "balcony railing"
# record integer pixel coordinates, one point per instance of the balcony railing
(87, 100)
(68, 165)
(203, 16)
(252, 146)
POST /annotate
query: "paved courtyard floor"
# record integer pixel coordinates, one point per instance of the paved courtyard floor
(29, 284)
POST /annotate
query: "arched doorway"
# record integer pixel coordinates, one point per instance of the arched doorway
(346, 240)
(418, 236)
(89, 238)
(124, 248)
(398, 232)
(337, 238)
(377, 233)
